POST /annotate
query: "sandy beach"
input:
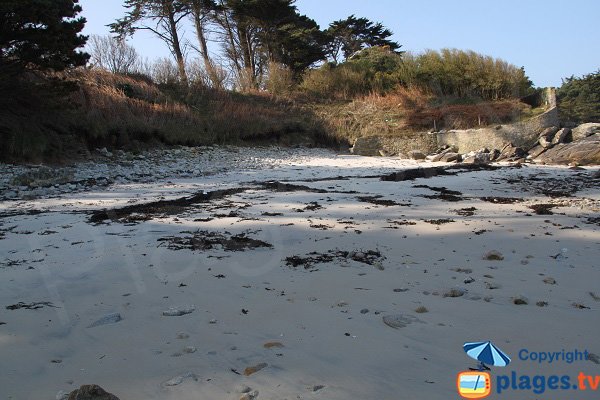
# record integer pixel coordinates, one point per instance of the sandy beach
(296, 274)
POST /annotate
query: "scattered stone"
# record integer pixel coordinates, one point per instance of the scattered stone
(112, 318)
(91, 392)
(178, 380)
(454, 292)
(421, 310)
(178, 311)
(182, 335)
(580, 306)
(493, 255)
(399, 320)
(316, 388)
(401, 290)
(541, 303)
(364, 311)
(520, 300)
(550, 281)
(492, 285)
(250, 395)
(254, 369)
(243, 389)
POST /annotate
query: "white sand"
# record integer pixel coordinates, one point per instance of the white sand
(88, 271)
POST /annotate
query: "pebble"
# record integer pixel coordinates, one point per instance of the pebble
(178, 311)
(254, 369)
(493, 255)
(178, 380)
(107, 319)
(250, 395)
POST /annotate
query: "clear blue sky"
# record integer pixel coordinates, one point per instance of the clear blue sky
(552, 39)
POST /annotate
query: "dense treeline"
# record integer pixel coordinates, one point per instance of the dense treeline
(579, 98)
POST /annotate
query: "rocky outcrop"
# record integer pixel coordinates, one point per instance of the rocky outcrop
(582, 152)
(585, 130)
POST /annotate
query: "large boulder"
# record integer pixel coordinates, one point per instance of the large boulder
(416, 155)
(546, 137)
(583, 152)
(451, 157)
(91, 392)
(562, 136)
(511, 153)
(585, 130)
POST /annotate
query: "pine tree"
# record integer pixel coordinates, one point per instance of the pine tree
(41, 34)
(352, 34)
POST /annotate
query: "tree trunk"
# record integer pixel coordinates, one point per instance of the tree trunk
(208, 65)
(177, 46)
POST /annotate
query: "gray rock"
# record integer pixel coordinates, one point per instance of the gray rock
(536, 151)
(253, 395)
(585, 130)
(178, 380)
(545, 138)
(583, 152)
(561, 136)
(91, 392)
(178, 311)
(112, 318)
(493, 255)
(450, 157)
(416, 155)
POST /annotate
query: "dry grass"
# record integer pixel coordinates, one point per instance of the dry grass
(408, 110)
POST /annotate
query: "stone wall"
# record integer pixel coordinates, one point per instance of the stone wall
(521, 134)
(395, 145)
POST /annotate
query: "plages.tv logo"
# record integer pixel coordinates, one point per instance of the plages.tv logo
(477, 383)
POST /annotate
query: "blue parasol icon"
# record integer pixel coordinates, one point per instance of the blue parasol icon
(486, 353)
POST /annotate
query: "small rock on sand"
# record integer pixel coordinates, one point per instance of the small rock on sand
(107, 319)
(493, 255)
(254, 369)
(520, 300)
(178, 380)
(178, 311)
(250, 395)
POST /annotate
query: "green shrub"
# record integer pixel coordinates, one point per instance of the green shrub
(579, 99)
